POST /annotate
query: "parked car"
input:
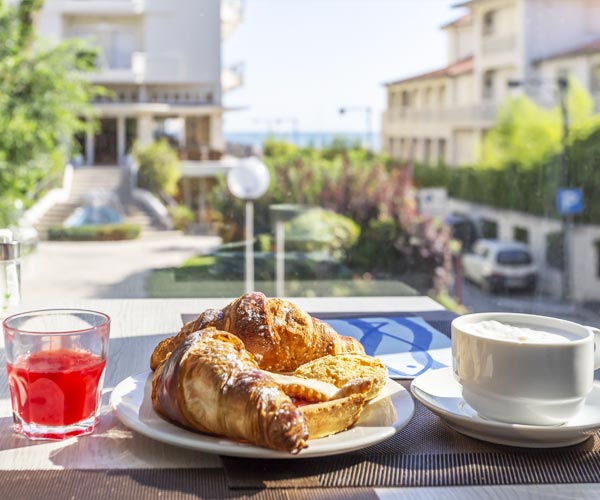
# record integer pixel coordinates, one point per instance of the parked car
(500, 265)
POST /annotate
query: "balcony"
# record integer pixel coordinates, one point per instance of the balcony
(144, 68)
(461, 114)
(498, 44)
(104, 7)
(232, 13)
(158, 68)
(232, 78)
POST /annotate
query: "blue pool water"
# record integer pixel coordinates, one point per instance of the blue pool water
(93, 215)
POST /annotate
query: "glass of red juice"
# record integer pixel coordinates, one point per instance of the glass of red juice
(56, 359)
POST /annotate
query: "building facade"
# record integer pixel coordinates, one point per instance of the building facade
(442, 115)
(161, 63)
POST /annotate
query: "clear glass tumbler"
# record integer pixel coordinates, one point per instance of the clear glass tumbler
(56, 359)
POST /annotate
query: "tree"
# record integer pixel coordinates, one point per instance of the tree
(159, 169)
(526, 134)
(44, 100)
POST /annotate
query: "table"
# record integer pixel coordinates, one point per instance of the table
(122, 463)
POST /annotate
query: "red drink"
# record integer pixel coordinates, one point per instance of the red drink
(56, 389)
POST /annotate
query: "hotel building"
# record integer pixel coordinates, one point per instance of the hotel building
(442, 115)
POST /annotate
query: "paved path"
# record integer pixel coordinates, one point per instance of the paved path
(479, 301)
(117, 269)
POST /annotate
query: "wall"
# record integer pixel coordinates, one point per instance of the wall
(584, 262)
(181, 41)
(463, 90)
(465, 145)
(460, 43)
(571, 23)
(192, 29)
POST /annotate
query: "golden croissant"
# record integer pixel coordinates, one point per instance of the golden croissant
(210, 383)
(279, 334)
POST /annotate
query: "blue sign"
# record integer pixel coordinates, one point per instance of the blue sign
(569, 201)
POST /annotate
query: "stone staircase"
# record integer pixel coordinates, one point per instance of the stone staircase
(86, 180)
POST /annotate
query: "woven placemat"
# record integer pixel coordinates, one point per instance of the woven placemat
(166, 484)
(426, 452)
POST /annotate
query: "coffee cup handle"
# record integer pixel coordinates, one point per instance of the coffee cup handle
(596, 332)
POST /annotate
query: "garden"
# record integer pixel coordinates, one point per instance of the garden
(356, 231)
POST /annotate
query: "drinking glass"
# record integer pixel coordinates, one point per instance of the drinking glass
(56, 360)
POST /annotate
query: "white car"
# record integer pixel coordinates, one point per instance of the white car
(497, 265)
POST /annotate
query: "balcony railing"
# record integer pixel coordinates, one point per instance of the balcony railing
(499, 44)
(474, 113)
(80, 7)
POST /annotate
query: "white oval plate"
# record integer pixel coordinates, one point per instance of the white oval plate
(381, 418)
(439, 391)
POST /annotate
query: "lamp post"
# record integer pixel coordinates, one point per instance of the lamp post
(562, 84)
(248, 181)
(368, 111)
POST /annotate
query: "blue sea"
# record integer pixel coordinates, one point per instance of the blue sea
(303, 139)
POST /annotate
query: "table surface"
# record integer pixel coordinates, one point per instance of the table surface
(137, 326)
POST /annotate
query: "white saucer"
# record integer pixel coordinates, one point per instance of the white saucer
(439, 391)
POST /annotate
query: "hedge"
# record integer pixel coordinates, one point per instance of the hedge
(100, 232)
(525, 189)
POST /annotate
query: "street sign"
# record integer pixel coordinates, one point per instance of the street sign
(569, 201)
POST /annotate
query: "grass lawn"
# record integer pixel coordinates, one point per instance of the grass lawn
(165, 283)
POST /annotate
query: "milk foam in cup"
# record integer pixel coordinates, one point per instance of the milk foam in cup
(523, 368)
(510, 333)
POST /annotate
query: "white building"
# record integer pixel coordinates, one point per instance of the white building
(161, 60)
(442, 115)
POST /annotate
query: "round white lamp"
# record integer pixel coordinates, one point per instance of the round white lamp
(248, 181)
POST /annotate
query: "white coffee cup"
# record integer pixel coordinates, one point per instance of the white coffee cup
(519, 376)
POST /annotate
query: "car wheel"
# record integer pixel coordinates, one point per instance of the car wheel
(487, 285)
(531, 287)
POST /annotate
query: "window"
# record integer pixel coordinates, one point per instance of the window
(489, 23)
(405, 98)
(597, 248)
(513, 258)
(488, 85)
(521, 234)
(442, 151)
(489, 228)
(595, 79)
(442, 97)
(427, 151)
(443, 109)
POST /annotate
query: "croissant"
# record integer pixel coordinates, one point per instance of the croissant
(210, 383)
(279, 334)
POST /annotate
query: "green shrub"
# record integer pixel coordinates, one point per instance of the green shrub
(321, 230)
(376, 251)
(182, 216)
(159, 168)
(100, 232)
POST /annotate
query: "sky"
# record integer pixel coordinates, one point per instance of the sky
(304, 59)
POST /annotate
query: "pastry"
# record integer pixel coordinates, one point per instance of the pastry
(211, 384)
(341, 369)
(279, 334)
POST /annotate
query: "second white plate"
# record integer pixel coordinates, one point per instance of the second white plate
(439, 391)
(381, 419)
